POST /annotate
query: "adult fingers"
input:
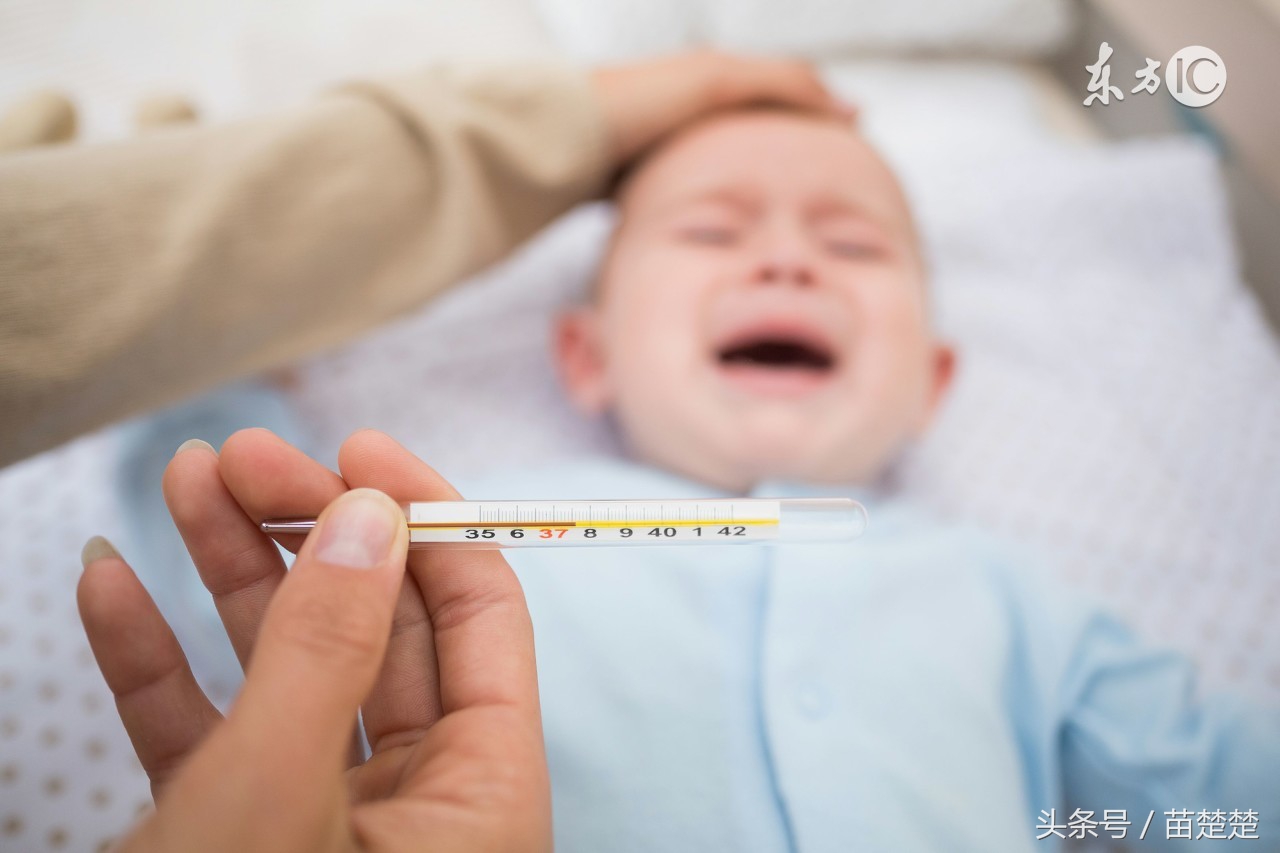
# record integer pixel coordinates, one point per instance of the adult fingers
(270, 478)
(739, 81)
(477, 779)
(271, 777)
(239, 566)
(325, 633)
(266, 477)
(643, 102)
(483, 633)
(406, 699)
(163, 710)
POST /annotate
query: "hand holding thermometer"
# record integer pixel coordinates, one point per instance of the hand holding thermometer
(537, 524)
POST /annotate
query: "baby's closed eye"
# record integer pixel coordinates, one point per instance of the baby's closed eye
(708, 233)
(852, 241)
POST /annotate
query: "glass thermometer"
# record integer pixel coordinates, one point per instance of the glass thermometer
(538, 524)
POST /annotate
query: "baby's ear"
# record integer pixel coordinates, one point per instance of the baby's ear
(943, 372)
(579, 354)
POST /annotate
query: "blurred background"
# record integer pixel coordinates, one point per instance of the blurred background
(238, 58)
(1110, 273)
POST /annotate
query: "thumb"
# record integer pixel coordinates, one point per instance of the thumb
(325, 633)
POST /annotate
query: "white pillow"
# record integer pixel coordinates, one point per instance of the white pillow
(612, 30)
(616, 29)
(835, 27)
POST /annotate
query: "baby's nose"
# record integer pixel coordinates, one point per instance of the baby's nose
(784, 269)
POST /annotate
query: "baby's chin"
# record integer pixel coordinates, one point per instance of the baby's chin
(739, 458)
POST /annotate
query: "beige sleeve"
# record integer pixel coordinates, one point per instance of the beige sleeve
(134, 274)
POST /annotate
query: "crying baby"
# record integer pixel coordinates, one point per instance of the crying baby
(760, 326)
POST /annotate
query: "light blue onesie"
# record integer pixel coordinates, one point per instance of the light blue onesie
(913, 690)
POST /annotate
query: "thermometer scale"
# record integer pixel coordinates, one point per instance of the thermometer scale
(540, 524)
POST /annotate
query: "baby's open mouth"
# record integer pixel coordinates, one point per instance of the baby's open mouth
(777, 363)
(779, 354)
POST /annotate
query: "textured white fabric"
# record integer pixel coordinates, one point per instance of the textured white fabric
(1118, 402)
(68, 776)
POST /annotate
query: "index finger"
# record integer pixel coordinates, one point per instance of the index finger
(271, 478)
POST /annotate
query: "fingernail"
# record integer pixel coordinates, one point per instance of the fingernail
(97, 548)
(358, 529)
(192, 444)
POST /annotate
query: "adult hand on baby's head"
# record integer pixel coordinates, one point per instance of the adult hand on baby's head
(439, 660)
(647, 100)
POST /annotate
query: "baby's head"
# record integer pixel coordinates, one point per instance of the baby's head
(762, 310)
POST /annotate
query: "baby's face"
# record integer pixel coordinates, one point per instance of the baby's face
(761, 312)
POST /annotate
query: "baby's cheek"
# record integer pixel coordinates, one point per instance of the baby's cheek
(890, 374)
(896, 327)
(646, 366)
(894, 300)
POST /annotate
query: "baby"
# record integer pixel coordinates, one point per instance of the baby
(761, 326)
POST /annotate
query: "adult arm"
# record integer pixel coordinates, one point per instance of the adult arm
(134, 274)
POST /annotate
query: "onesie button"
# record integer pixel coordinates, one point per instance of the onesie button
(812, 700)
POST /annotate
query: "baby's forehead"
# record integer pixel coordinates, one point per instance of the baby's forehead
(769, 156)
